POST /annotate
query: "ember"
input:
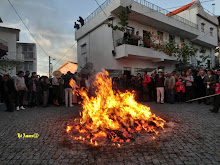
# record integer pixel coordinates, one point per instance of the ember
(110, 115)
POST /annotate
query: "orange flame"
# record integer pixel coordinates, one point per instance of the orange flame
(113, 115)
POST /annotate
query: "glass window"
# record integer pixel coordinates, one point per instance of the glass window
(24, 47)
(137, 70)
(30, 48)
(171, 38)
(211, 31)
(182, 40)
(202, 27)
(28, 65)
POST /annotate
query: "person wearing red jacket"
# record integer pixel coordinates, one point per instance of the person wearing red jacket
(180, 89)
(146, 84)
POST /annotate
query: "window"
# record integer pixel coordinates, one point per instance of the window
(136, 71)
(28, 55)
(130, 28)
(30, 48)
(28, 65)
(209, 63)
(171, 38)
(83, 49)
(24, 47)
(211, 31)
(127, 68)
(160, 36)
(202, 27)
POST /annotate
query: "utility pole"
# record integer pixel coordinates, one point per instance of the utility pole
(49, 67)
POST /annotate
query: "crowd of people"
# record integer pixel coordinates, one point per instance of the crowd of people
(176, 87)
(32, 90)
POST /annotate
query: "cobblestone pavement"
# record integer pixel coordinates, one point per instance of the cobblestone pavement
(192, 137)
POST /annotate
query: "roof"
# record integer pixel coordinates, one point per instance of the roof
(66, 64)
(183, 8)
(17, 31)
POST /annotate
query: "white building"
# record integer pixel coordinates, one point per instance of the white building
(96, 42)
(8, 40)
(28, 52)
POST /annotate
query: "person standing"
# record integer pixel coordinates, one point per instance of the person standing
(56, 86)
(20, 88)
(139, 87)
(160, 87)
(45, 85)
(201, 88)
(217, 91)
(146, 86)
(180, 89)
(189, 86)
(209, 80)
(8, 92)
(68, 90)
(32, 88)
(170, 88)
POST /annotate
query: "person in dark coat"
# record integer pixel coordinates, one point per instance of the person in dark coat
(139, 87)
(216, 106)
(201, 88)
(32, 89)
(45, 85)
(209, 80)
(8, 93)
(81, 21)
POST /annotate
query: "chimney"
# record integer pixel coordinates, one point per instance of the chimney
(213, 8)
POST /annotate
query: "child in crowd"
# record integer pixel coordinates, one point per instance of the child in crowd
(180, 88)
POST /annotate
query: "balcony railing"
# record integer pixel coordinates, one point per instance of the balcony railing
(165, 12)
(144, 3)
(98, 10)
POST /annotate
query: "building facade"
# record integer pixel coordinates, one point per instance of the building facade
(104, 47)
(28, 52)
(9, 58)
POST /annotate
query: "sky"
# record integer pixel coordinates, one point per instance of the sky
(52, 24)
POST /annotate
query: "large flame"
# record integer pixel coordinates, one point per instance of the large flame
(112, 115)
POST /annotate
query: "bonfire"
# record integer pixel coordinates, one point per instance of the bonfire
(112, 116)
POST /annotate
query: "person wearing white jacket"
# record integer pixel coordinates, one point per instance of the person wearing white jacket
(20, 88)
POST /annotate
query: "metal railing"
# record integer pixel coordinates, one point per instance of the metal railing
(98, 10)
(165, 12)
(144, 3)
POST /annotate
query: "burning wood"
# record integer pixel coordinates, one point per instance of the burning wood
(114, 116)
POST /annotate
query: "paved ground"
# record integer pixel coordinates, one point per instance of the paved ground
(194, 138)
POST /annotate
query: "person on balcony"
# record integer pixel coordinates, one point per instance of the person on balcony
(127, 35)
(136, 38)
(132, 38)
(81, 21)
(76, 26)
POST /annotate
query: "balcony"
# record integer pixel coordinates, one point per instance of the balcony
(3, 48)
(127, 49)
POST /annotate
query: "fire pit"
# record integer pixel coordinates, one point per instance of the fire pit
(112, 117)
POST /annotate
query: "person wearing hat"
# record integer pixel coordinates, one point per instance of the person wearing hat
(160, 86)
(56, 85)
(209, 80)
